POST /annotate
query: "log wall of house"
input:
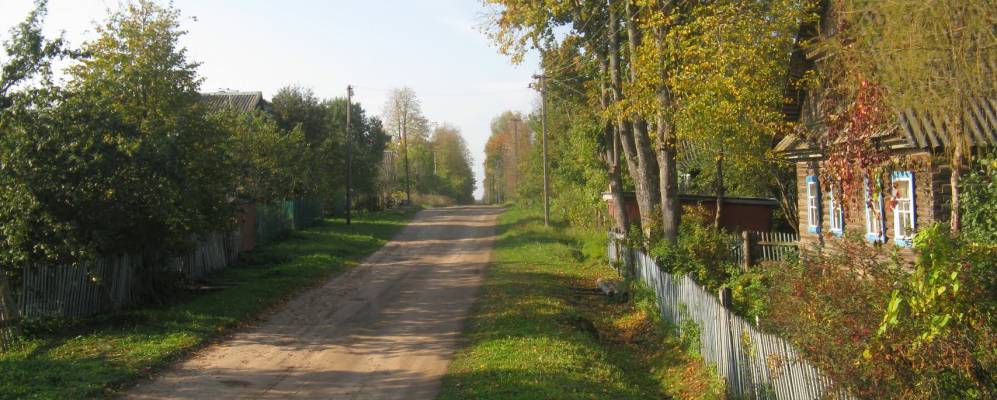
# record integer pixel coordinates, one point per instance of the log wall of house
(931, 195)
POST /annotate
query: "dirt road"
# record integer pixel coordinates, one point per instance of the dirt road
(384, 330)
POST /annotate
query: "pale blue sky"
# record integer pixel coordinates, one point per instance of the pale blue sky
(433, 46)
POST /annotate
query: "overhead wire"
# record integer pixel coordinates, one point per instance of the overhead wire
(448, 94)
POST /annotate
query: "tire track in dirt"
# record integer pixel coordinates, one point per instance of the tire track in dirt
(386, 329)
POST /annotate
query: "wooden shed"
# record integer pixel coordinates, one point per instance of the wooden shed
(739, 213)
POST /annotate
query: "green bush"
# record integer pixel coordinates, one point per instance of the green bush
(884, 327)
(978, 200)
(702, 251)
(749, 291)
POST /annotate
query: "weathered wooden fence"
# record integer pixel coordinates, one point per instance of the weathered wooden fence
(754, 365)
(112, 283)
(750, 248)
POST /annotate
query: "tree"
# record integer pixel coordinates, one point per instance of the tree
(271, 164)
(453, 164)
(368, 141)
(403, 117)
(137, 72)
(511, 136)
(122, 160)
(296, 105)
(728, 92)
(29, 54)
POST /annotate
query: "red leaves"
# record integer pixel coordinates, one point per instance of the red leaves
(850, 139)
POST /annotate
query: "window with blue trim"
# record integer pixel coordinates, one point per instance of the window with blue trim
(874, 219)
(813, 204)
(904, 217)
(835, 215)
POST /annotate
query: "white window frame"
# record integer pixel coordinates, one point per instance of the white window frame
(904, 209)
(835, 214)
(813, 204)
(871, 219)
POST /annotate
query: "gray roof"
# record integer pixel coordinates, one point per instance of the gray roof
(916, 131)
(920, 130)
(242, 102)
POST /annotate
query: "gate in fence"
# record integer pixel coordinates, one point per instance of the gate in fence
(754, 365)
(750, 248)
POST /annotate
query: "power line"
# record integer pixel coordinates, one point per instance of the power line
(450, 94)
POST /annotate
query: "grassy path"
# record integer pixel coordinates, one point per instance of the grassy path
(539, 331)
(101, 356)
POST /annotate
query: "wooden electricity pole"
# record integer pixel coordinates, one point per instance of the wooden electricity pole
(515, 149)
(543, 125)
(349, 154)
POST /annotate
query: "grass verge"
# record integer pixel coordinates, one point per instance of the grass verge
(100, 356)
(540, 329)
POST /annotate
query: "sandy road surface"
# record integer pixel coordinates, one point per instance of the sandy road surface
(384, 330)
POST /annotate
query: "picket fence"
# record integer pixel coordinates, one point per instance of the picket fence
(751, 248)
(113, 283)
(753, 364)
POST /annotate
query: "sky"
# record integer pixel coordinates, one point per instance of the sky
(435, 47)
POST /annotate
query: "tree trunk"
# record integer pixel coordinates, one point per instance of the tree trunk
(955, 215)
(636, 147)
(645, 148)
(721, 189)
(612, 141)
(616, 181)
(670, 202)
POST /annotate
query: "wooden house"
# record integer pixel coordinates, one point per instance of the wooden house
(913, 196)
(242, 103)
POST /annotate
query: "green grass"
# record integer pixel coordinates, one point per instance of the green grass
(98, 357)
(539, 331)
(530, 336)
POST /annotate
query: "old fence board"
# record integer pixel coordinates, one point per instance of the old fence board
(753, 364)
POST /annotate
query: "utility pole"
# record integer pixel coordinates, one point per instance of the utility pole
(515, 149)
(543, 125)
(349, 154)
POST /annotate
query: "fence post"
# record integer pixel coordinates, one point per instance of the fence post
(724, 294)
(745, 250)
(9, 315)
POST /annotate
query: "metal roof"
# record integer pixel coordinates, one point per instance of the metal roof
(916, 131)
(920, 130)
(242, 102)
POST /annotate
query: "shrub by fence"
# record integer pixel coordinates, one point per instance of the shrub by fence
(111, 283)
(275, 220)
(754, 365)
